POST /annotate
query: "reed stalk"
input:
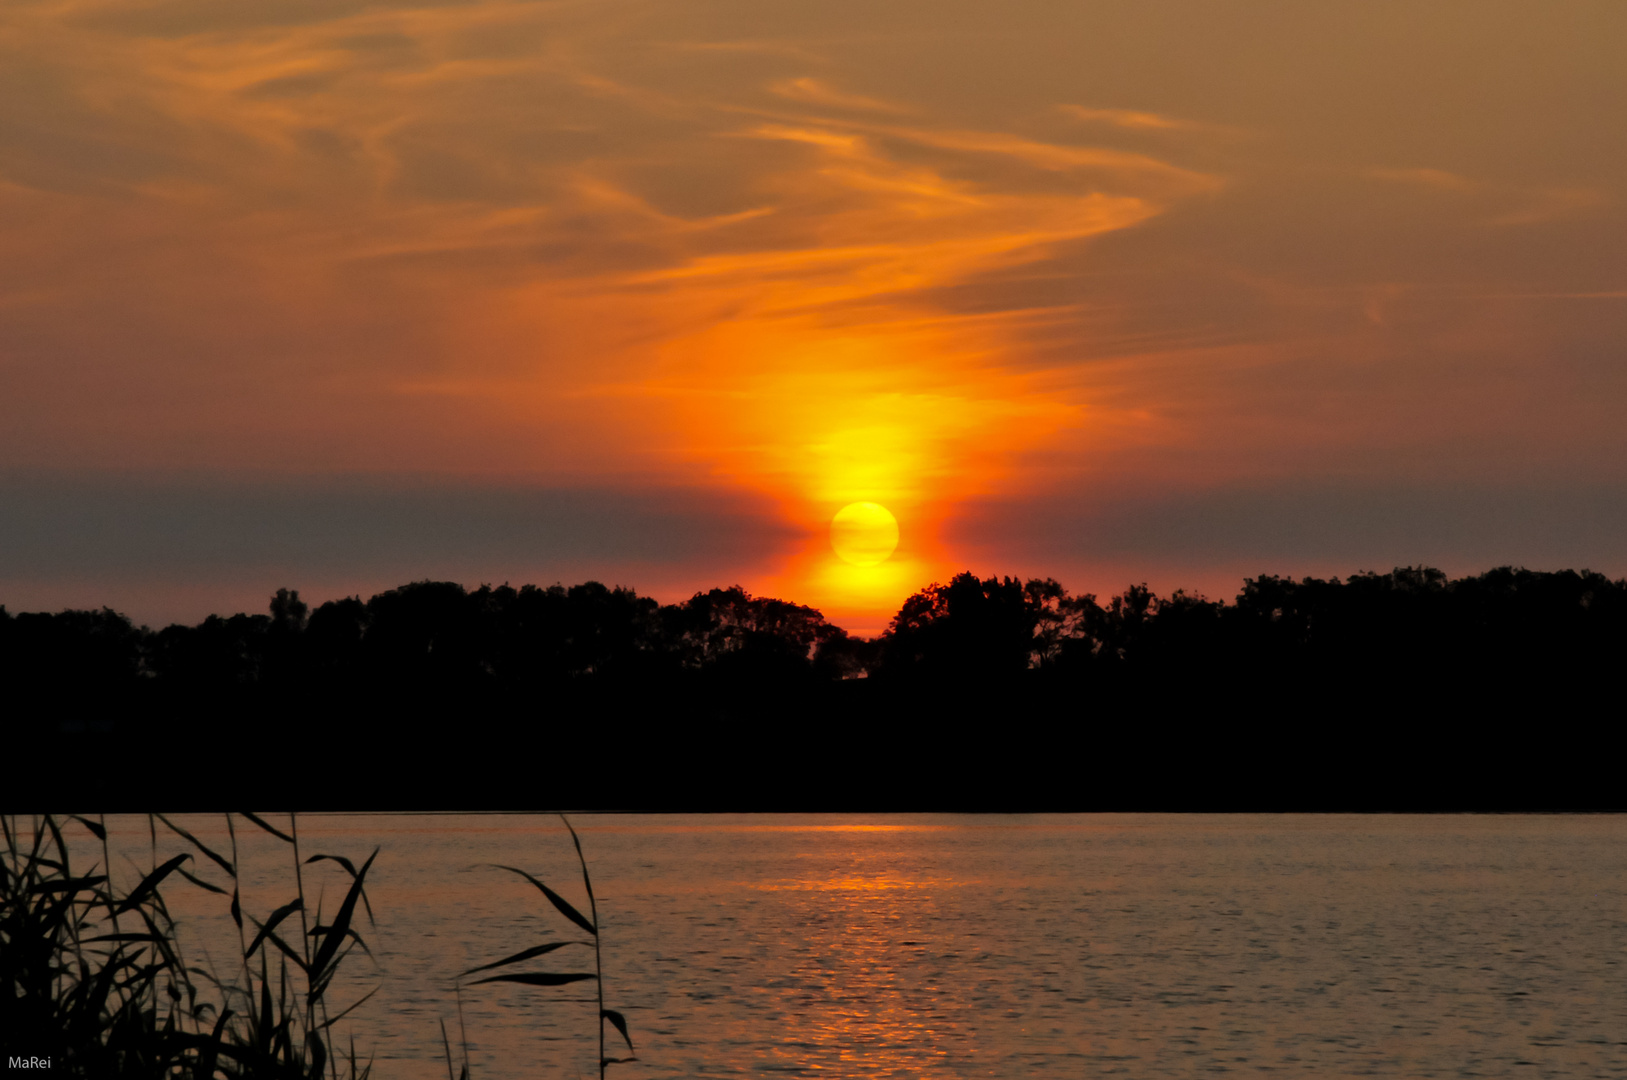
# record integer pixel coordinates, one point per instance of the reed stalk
(102, 1002)
(588, 923)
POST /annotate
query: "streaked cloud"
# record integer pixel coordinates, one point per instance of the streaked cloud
(817, 92)
(1434, 179)
(1515, 204)
(1555, 204)
(1128, 118)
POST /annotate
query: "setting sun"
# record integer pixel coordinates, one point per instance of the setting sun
(864, 533)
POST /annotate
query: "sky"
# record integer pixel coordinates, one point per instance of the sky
(335, 295)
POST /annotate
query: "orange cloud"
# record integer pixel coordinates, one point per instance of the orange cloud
(1437, 179)
(817, 92)
(1504, 204)
(1126, 118)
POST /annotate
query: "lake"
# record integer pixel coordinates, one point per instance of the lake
(961, 946)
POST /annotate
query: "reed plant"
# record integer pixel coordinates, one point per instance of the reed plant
(96, 983)
(588, 923)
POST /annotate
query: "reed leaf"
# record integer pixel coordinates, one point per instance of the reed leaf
(272, 923)
(288, 951)
(124, 937)
(540, 978)
(66, 885)
(329, 1023)
(61, 845)
(319, 1053)
(260, 1022)
(366, 1072)
(96, 830)
(220, 860)
(318, 931)
(341, 921)
(524, 954)
(205, 1069)
(558, 901)
(200, 883)
(272, 829)
(620, 1023)
(149, 883)
(350, 866)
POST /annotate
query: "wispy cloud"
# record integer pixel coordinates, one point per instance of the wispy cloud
(1502, 203)
(1553, 204)
(817, 92)
(1433, 179)
(1128, 118)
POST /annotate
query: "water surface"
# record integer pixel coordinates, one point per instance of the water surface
(988, 946)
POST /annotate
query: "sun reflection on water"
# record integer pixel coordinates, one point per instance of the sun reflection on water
(858, 998)
(856, 883)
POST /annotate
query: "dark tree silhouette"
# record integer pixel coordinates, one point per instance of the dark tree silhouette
(970, 629)
(1379, 685)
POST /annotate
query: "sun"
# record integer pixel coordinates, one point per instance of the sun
(864, 533)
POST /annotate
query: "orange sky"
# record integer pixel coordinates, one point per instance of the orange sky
(1166, 291)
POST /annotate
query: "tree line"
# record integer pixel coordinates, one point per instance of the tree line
(1378, 691)
(439, 636)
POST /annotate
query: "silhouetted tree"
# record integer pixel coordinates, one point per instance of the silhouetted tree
(79, 662)
(735, 633)
(288, 611)
(970, 629)
(216, 655)
(840, 656)
(334, 640)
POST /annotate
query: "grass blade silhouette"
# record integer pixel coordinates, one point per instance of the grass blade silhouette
(219, 859)
(564, 906)
(330, 1022)
(272, 829)
(540, 978)
(341, 922)
(98, 831)
(149, 883)
(200, 883)
(525, 954)
(354, 876)
(272, 923)
(620, 1021)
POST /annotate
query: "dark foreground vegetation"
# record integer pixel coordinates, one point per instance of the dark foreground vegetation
(97, 984)
(1403, 690)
